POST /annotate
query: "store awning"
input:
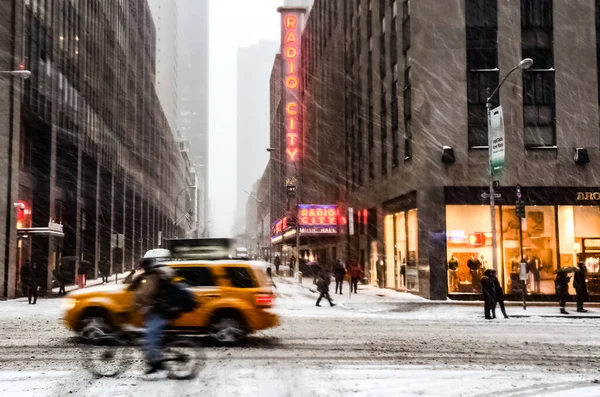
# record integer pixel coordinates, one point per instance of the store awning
(40, 231)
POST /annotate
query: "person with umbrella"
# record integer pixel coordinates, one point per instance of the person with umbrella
(562, 286)
(580, 286)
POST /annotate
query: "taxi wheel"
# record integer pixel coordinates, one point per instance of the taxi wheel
(229, 330)
(93, 328)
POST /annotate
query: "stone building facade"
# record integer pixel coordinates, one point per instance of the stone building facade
(414, 80)
(94, 161)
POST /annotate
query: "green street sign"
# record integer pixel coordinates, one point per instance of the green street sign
(497, 139)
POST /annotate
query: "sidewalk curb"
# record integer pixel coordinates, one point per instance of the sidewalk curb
(473, 303)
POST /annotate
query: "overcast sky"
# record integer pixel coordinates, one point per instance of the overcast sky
(233, 24)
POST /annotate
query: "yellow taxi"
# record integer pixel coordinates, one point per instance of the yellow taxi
(234, 298)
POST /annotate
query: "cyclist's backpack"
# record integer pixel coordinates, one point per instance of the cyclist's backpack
(178, 299)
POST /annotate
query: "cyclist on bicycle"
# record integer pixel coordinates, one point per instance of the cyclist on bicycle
(151, 302)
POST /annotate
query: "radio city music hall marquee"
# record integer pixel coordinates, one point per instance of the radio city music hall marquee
(292, 19)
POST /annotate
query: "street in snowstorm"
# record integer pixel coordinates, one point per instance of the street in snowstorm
(375, 343)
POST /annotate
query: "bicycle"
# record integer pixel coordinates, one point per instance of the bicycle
(111, 354)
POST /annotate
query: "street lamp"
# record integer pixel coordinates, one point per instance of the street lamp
(24, 74)
(523, 65)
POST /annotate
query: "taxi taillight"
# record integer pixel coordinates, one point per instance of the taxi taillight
(264, 299)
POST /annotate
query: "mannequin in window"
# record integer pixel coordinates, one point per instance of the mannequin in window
(533, 268)
(452, 271)
(474, 266)
(483, 262)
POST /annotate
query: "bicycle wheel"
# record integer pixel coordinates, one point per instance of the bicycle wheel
(183, 359)
(108, 358)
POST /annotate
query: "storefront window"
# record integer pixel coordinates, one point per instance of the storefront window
(412, 274)
(579, 231)
(469, 246)
(401, 250)
(539, 248)
(511, 246)
(401, 243)
(389, 251)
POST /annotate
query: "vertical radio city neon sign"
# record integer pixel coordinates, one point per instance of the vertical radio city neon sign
(291, 29)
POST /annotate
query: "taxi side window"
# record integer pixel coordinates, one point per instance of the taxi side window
(240, 277)
(196, 276)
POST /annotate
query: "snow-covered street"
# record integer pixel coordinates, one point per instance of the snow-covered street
(395, 345)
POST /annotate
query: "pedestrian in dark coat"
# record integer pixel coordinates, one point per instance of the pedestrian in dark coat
(499, 294)
(356, 274)
(323, 280)
(33, 284)
(60, 278)
(580, 286)
(105, 269)
(339, 272)
(277, 263)
(562, 289)
(488, 290)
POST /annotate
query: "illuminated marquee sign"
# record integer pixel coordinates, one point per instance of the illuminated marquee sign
(317, 219)
(292, 19)
(317, 215)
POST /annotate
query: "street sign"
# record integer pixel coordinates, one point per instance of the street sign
(291, 191)
(497, 139)
(486, 195)
(351, 221)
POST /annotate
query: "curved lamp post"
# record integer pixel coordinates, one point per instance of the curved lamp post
(523, 65)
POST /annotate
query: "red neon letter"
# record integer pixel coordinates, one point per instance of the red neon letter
(292, 67)
(292, 109)
(290, 52)
(292, 82)
(292, 153)
(291, 38)
(292, 138)
(292, 124)
(290, 22)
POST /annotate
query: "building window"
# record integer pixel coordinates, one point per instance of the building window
(539, 109)
(598, 45)
(394, 106)
(408, 136)
(482, 66)
(394, 42)
(478, 83)
(371, 143)
(360, 148)
(384, 143)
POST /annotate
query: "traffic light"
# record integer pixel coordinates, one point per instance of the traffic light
(520, 209)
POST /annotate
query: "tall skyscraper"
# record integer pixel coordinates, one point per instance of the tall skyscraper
(254, 70)
(193, 35)
(164, 14)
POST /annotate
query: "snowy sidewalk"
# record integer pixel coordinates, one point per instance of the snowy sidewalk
(93, 283)
(371, 299)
